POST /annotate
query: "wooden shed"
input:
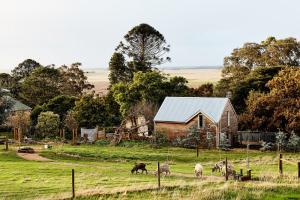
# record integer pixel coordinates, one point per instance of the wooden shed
(210, 114)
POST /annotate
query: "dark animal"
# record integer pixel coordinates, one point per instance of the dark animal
(139, 166)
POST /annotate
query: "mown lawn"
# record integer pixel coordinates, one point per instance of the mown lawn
(105, 170)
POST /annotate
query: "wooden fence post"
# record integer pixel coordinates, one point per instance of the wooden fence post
(241, 172)
(158, 175)
(73, 183)
(226, 169)
(298, 169)
(280, 165)
(6, 144)
(197, 150)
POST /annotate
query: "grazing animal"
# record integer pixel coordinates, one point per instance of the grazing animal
(198, 170)
(219, 165)
(163, 168)
(230, 171)
(139, 166)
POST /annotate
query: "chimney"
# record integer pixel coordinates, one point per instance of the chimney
(229, 94)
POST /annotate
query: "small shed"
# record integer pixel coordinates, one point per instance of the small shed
(210, 114)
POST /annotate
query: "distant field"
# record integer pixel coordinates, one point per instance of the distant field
(196, 77)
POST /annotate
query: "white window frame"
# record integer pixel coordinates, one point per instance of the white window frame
(228, 118)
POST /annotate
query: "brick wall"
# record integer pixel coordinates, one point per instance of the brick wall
(174, 130)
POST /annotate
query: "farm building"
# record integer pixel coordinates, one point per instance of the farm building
(210, 114)
(17, 106)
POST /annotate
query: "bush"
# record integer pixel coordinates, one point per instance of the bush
(267, 146)
(224, 142)
(281, 140)
(160, 139)
(293, 142)
(48, 124)
(191, 140)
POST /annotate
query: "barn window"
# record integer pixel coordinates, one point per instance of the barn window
(228, 118)
(200, 121)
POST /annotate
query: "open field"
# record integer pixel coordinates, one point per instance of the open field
(196, 77)
(103, 172)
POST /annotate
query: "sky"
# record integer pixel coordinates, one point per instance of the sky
(200, 32)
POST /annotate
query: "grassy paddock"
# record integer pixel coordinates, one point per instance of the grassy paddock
(105, 170)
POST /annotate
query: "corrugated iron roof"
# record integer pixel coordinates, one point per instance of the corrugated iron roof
(182, 109)
(17, 105)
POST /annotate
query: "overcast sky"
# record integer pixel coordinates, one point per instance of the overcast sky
(200, 32)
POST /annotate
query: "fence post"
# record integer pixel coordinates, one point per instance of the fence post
(6, 143)
(197, 150)
(298, 170)
(73, 183)
(241, 172)
(226, 170)
(280, 165)
(158, 175)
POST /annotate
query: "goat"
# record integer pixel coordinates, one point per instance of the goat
(139, 166)
(198, 170)
(163, 168)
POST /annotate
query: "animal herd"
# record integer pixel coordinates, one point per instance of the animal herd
(198, 170)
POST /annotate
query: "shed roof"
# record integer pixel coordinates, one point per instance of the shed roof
(17, 105)
(182, 109)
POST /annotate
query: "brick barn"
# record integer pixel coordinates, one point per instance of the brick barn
(210, 114)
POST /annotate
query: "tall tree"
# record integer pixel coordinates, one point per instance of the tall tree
(74, 82)
(90, 111)
(118, 70)
(280, 108)
(147, 87)
(271, 52)
(25, 68)
(43, 84)
(145, 47)
(204, 90)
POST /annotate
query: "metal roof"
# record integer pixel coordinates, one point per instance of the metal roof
(17, 105)
(183, 109)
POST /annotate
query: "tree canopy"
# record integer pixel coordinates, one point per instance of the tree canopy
(90, 111)
(25, 68)
(145, 47)
(149, 86)
(280, 108)
(74, 81)
(43, 84)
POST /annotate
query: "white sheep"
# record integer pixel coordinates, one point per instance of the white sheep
(163, 168)
(198, 170)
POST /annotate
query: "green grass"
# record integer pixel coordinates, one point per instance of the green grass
(105, 170)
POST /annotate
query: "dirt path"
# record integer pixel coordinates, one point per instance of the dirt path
(33, 157)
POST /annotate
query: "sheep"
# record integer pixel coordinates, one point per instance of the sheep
(139, 166)
(163, 168)
(198, 170)
(218, 166)
(230, 171)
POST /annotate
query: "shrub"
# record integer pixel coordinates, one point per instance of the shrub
(48, 124)
(281, 140)
(160, 139)
(224, 142)
(191, 140)
(267, 146)
(293, 142)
